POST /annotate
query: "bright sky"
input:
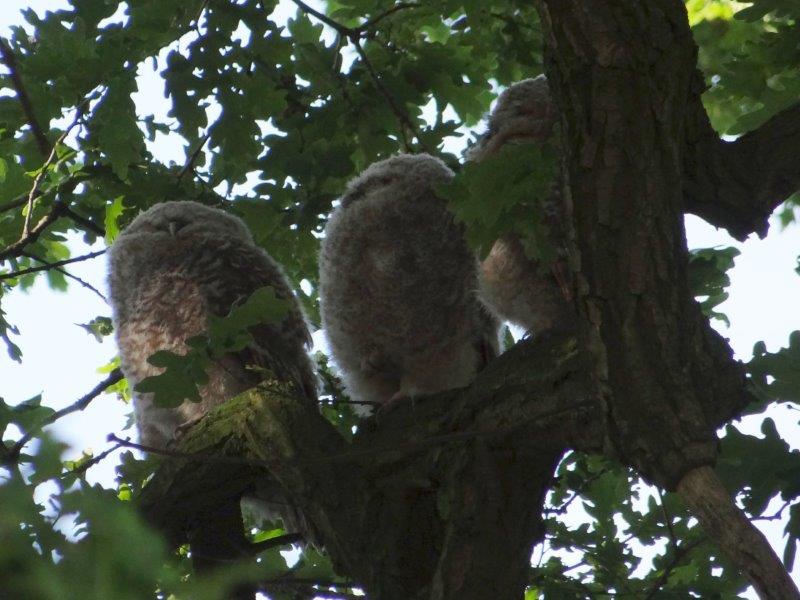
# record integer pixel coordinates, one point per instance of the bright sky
(60, 359)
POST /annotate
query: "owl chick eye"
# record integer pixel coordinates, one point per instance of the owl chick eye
(176, 225)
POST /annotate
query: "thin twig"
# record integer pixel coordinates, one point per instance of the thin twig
(24, 99)
(667, 520)
(311, 584)
(193, 158)
(86, 223)
(369, 23)
(80, 404)
(51, 158)
(59, 210)
(83, 467)
(777, 515)
(344, 30)
(402, 116)
(562, 509)
(193, 456)
(281, 540)
(354, 34)
(680, 553)
(335, 403)
(46, 266)
(15, 203)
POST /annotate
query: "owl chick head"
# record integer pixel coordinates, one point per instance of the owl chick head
(162, 237)
(524, 112)
(184, 220)
(401, 175)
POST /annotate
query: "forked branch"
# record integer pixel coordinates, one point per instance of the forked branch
(737, 185)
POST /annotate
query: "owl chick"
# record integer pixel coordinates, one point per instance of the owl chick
(398, 286)
(170, 269)
(533, 296)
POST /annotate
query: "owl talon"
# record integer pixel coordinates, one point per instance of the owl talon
(392, 403)
(182, 429)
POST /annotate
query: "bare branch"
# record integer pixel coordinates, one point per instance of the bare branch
(46, 266)
(15, 203)
(193, 158)
(309, 587)
(85, 466)
(80, 404)
(51, 157)
(344, 30)
(10, 62)
(191, 456)
(84, 222)
(681, 552)
(354, 34)
(64, 272)
(402, 117)
(281, 540)
(737, 185)
(667, 519)
(369, 23)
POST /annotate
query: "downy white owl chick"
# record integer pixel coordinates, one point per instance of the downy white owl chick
(170, 269)
(531, 295)
(398, 286)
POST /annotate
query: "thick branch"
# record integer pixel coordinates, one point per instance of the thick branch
(737, 185)
(737, 537)
(487, 453)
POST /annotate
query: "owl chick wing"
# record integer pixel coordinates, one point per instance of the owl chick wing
(278, 347)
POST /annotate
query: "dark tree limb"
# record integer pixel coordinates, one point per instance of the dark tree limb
(737, 185)
(87, 224)
(735, 535)
(424, 478)
(10, 61)
(663, 375)
(217, 540)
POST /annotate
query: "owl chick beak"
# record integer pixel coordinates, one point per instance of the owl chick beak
(173, 228)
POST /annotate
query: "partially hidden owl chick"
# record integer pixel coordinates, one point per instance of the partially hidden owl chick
(398, 286)
(170, 269)
(533, 296)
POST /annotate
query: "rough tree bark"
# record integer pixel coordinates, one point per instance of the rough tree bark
(624, 76)
(444, 501)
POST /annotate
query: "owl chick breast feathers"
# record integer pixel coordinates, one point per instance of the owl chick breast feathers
(170, 269)
(398, 286)
(533, 296)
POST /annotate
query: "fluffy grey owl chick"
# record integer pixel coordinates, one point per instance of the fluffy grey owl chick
(533, 296)
(170, 269)
(398, 286)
